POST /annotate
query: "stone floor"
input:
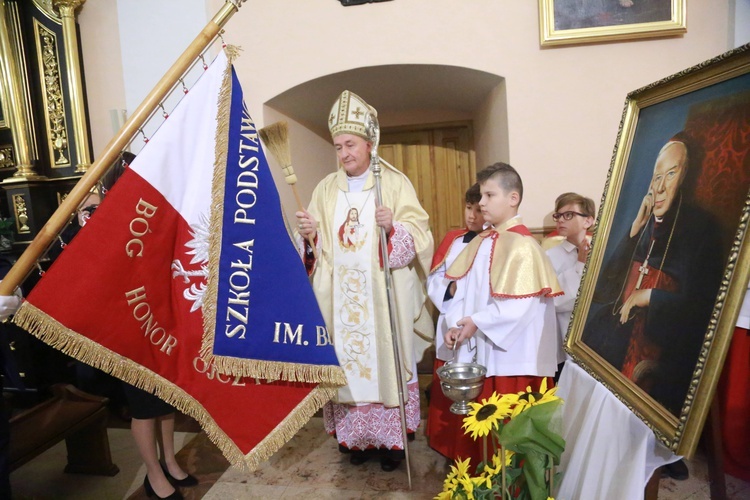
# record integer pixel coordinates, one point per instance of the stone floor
(308, 466)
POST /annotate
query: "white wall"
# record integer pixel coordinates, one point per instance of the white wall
(563, 104)
(102, 64)
(741, 22)
(152, 36)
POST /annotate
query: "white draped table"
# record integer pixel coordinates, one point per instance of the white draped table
(609, 452)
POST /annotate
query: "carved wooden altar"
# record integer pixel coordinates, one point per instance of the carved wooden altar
(44, 147)
(44, 138)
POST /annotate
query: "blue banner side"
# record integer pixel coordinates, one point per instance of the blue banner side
(266, 308)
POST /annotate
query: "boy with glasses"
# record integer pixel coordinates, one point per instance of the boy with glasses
(574, 216)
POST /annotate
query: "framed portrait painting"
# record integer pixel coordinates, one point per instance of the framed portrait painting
(563, 22)
(670, 260)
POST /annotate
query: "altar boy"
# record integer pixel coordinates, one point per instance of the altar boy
(439, 288)
(503, 311)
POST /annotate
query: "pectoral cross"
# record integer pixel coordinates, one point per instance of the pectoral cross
(643, 269)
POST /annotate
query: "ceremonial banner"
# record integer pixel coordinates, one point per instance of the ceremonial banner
(192, 236)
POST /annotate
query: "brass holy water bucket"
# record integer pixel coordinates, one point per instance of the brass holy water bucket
(461, 382)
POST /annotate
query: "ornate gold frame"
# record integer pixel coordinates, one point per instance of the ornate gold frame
(548, 35)
(680, 434)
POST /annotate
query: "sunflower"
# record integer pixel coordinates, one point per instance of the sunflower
(530, 398)
(495, 466)
(469, 484)
(494, 469)
(448, 494)
(484, 416)
(457, 472)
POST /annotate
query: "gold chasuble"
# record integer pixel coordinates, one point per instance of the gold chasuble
(518, 266)
(350, 285)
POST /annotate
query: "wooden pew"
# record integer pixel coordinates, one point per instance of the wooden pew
(73, 415)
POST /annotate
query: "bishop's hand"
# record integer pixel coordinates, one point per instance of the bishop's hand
(644, 212)
(307, 226)
(384, 218)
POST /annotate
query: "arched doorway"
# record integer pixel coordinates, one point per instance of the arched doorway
(428, 115)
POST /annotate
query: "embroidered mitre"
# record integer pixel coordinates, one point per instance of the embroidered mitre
(348, 115)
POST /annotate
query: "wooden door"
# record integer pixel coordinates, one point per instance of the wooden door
(439, 161)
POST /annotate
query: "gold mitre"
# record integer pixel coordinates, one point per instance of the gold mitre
(348, 115)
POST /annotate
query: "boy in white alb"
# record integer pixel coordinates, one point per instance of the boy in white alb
(574, 216)
(503, 310)
(439, 289)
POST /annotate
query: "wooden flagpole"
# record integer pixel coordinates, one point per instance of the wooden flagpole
(61, 216)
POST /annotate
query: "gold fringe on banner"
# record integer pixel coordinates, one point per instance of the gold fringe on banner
(270, 370)
(288, 427)
(55, 334)
(58, 336)
(221, 140)
(276, 370)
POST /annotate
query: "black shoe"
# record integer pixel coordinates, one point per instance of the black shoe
(185, 482)
(677, 470)
(388, 464)
(358, 458)
(176, 495)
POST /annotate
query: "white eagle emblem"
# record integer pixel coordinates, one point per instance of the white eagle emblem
(199, 250)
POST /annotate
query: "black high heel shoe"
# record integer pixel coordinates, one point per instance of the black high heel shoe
(185, 482)
(176, 495)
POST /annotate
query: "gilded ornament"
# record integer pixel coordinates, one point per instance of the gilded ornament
(22, 216)
(6, 157)
(54, 108)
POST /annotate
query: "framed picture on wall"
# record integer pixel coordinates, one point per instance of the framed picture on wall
(563, 22)
(670, 258)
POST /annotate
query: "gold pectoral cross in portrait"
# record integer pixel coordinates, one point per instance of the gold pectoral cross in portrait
(643, 269)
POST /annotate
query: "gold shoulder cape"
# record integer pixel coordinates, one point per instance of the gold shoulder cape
(518, 266)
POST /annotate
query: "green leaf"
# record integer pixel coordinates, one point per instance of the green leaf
(529, 432)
